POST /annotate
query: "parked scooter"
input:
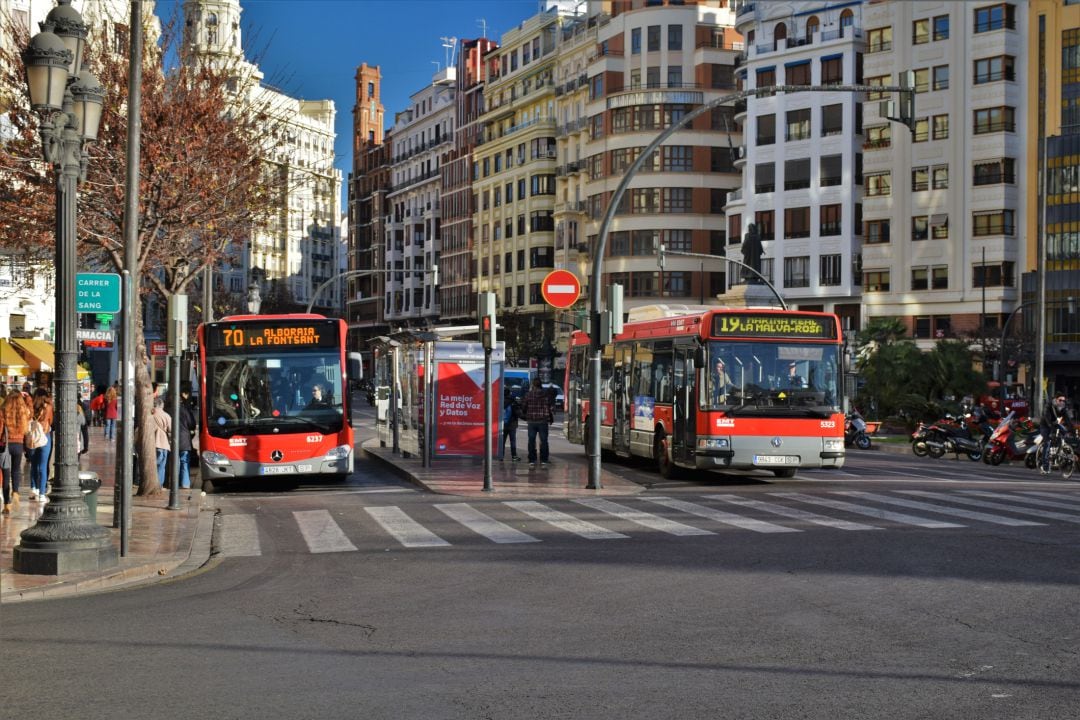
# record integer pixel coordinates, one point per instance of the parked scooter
(855, 431)
(1003, 444)
(950, 436)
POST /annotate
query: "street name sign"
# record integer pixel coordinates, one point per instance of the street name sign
(97, 293)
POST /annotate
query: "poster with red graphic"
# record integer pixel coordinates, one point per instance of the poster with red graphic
(459, 408)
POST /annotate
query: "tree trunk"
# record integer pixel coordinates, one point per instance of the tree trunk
(144, 420)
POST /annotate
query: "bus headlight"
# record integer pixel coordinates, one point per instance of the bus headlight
(341, 452)
(708, 442)
(215, 458)
(834, 444)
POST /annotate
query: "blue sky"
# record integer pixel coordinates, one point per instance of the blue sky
(310, 49)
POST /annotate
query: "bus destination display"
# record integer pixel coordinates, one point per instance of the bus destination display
(258, 335)
(777, 326)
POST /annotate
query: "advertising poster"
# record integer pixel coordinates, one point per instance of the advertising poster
(459, 408)
(644, 406)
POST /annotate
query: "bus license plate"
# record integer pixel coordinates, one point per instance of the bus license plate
(776, 459)
(277, 469)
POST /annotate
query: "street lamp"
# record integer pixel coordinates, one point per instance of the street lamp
(69, 100)
(1070, 303)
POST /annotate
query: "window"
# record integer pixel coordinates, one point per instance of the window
(877, 231)
(876, 281)
(797, 174)
(797, 272)
(993, 69)
(654, 38)
(878, 184)
(722, 76)
(994, 275)
(520, 259)
(526, 57)
(877, 80)
(677, 200)
(652, 76)
(635, 41)
(717, 201)
(520, 295)
(920, 279)
(674, 37)
(920, 178)
(879, 40)
(798, 125)
(940, 177)
(832, 170)
(995, 119)
(941, 27)
(541, 221)
(798, 74)
(920, 31)
(941, 127)
(939, 227)
(922, 80)
(996, 172)
(995, 17)
(878, 137)
(993, 223)
(766, 77)
(832, 120)
(635, 82)
(498, 197)
(764, 178)
(371, 90)
(920, 227)
(543, 184)
(830, 220)
(765, 225)
(921, 133)
(766, 129)
(596, 88)
(674, 76)
(830, 270)
(941, 77)
(832, 71)
(797, 222)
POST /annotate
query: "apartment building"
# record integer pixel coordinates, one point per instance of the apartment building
(652, 63)
(457, 294)
(369, 183)
(423, 137)
(514, 170)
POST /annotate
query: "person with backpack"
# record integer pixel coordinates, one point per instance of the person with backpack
(511, 415)
(38, 441)
(538, 414)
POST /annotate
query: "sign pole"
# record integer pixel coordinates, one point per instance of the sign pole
(487, 420)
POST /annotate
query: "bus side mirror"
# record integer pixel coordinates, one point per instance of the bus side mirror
(699, 357)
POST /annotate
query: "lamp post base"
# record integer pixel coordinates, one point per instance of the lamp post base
(60, 547)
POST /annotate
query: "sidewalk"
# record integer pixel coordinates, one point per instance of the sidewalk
(162, 543)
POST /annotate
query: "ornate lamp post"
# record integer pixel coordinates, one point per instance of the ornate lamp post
(69, 100)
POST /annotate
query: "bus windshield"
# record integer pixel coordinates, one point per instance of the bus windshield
(298, 392)
(772, 378)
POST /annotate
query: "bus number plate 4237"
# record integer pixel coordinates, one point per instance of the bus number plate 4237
(776, 459)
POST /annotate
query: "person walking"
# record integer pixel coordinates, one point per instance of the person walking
(538, 415)
(112, 411)
(185, 434)
(84, 425)
(42, 413)
(16, 419)
(162, 426)
(511, 414)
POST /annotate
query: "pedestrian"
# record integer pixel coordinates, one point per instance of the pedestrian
(539, 415)
(112, 410)
(162, 426)
(42, 413)
(186, 433)
(16, 419)
(97, 408)
(511, 415)
(84, 426)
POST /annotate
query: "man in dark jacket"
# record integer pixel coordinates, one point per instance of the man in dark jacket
(1056, 411)
(537, 406)
(188, 424)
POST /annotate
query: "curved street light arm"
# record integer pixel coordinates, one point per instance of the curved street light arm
(663, 252)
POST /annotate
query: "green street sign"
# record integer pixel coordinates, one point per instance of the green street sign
(97, 293)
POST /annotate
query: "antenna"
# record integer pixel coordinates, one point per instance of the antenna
(450, 45)
(483, 26)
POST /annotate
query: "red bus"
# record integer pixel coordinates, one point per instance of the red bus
(716, 388)
(259, 411)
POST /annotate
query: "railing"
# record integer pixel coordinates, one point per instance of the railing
(883, 46)
(1006, 74)
(877, 144)
(719, 44)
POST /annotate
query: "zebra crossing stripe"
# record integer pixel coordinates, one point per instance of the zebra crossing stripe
(794, 513)
(916, 505)
(902, 518)
(720, 516)
(996, 506)
(481, 524)
(1059, 496)
(653, 522)
(240, 536)
(1029, 501)
(561, 520)
(321, 533)
(405, 530)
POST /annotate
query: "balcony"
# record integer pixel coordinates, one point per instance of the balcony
(877, 144)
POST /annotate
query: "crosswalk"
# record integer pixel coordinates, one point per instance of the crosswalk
(442, 525)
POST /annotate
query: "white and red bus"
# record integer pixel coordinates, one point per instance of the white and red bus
(776, 406)
(259, 413)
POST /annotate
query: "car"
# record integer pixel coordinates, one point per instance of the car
(558, 391)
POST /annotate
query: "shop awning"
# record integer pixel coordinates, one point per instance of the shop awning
(38, 353)
(11, 362)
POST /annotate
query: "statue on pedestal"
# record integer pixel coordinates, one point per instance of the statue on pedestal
(751, 252)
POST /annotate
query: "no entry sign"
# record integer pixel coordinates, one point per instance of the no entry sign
(561, 289)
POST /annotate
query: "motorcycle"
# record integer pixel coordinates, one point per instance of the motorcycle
(855, 431)
(948, 435)
(1058, 452)
(919, 438)
(1003, 445)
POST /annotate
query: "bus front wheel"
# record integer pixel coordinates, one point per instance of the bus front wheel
(664, 463)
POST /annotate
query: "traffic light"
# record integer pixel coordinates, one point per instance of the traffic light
(486, 319)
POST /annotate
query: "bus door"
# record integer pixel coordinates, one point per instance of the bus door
(620, 441)
(685, 432)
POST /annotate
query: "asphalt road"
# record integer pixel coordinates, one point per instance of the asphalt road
(722, 596)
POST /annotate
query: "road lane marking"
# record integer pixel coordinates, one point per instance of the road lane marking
(405, 530)
(321, 533)
(795, 513)
(720, 516)
(1060, 496)
(481, 524)
(916, 505)
(239, 536)
(902, 518)
(653, 522)
(1018, 498)
(561, 520)
(996, 506)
